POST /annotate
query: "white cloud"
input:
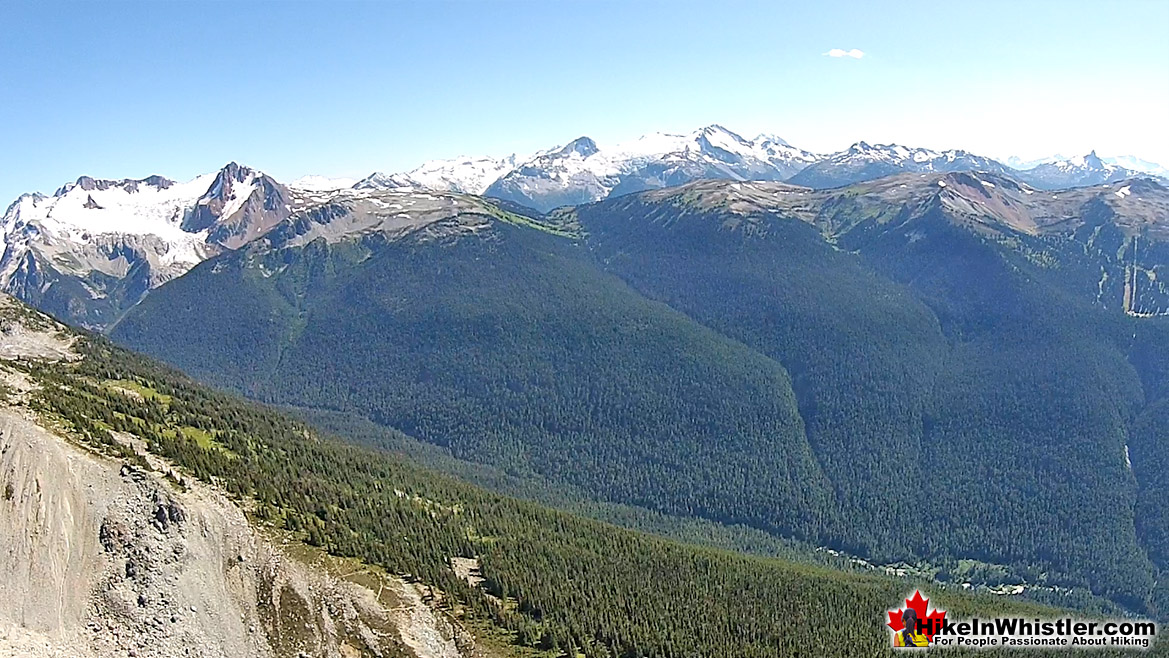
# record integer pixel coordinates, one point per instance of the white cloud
(840, 52)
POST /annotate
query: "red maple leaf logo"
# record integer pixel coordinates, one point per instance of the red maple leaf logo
(920, 605)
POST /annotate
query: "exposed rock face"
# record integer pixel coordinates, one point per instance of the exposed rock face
(240, 205)
(103, 560)
(96, 247)
(100, 558)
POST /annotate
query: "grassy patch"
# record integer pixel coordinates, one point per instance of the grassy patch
(520, 220)
(203, 439)
(134, 387)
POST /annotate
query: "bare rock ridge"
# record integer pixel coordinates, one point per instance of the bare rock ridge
(100, 558)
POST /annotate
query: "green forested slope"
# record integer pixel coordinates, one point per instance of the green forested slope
(964, 401)
(513, 350)
(881, 379)
(861, 351)
(568, 585)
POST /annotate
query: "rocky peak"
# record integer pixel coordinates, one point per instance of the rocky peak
(90, 184)
(583, 146)
(85, 183)
(225, 181)
(382, 181)
(236, 188)
(157, 181)
(715, 137)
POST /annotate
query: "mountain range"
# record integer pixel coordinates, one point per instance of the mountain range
(583, 171)
(897, 353)
(1083, 170)
(961, 349)
(144, 514)
(94, 247)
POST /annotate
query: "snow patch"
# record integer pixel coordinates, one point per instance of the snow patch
(315, 183)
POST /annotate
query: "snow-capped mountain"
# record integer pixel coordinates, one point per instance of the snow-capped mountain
(1134, 163)
(314, 183)
(109, 241)
(380, 181)
(582, 171)
(1021, 164)
(465, 175)
(862, 161)
(95, 247)
(1130, 162)
(1075, 172)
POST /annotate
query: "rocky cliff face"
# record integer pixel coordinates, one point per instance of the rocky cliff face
(104, 558)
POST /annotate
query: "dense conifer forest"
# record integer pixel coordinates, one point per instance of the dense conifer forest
(554, 581)
(905, 391)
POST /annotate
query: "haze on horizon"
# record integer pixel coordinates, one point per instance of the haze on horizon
(343, 89)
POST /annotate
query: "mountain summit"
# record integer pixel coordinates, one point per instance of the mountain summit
(862, 161)
(583, 171)
(1087, 169)
(109, 241)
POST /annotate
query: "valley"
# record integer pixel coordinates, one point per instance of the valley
(212, 525)
(667, 350)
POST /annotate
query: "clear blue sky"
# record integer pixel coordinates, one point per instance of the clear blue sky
(127, 89)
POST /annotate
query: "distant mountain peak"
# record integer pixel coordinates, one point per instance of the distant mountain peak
(237, 172)
(716, 137)
(90, 184)
(382, 181)
(583, 146)
(715, 129)
(225, 181)
(765, 139)
(651, 161)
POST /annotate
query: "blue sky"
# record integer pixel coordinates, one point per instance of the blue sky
(128, 89)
